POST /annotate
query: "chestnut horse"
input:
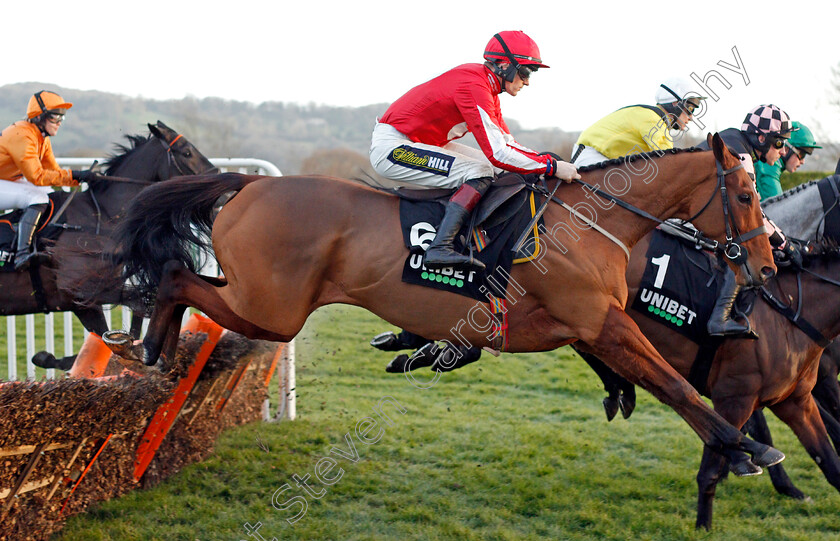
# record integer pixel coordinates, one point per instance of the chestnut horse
(289, 245)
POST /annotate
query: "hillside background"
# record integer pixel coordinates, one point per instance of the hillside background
(297, 138)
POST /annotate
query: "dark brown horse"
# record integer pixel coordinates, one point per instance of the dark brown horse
(87, 221)
(777, 371)
(289, 245)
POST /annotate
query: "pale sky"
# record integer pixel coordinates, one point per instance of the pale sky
(603, 55)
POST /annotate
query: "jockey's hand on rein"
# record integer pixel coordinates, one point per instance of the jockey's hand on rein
(85, 176)
(792, 255)
(565, 171)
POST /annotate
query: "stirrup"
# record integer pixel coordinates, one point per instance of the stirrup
(23, 262)
(732, 329)
(444, 256)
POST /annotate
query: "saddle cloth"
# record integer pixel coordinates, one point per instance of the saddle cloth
(679, 286)
(491, 242)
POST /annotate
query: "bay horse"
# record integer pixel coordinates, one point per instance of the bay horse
(777, 371)
(87, 221)
(289, 245)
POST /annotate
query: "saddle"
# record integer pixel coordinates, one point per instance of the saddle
(8, 235)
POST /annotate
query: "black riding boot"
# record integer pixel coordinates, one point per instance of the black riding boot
(721, 322)
(26, 231)
(441, 253)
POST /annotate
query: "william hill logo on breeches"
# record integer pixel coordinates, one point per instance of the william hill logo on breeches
(421, 159)
(667, 308)
(422, 234)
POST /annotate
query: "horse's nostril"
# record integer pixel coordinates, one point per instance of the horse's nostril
(768, 272)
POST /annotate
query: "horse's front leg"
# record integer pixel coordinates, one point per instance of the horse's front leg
(611, 382)
(625, 349)
(180, 288)
(800, 413)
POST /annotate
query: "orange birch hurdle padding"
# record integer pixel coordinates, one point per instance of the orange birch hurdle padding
(167, 413)
(92, 359)
(281, 349)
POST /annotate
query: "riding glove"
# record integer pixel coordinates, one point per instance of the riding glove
(85, 176)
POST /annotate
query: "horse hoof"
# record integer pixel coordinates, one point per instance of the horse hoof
(610, 407)
(386, 341)
(397, 364)
(135, 366)
(627, 406)
(122, 344)
(745, 468)
(769, 457)
(44, 359)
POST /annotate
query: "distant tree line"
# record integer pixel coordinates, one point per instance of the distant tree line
(297, 138)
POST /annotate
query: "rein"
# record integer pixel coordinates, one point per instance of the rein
(732, 248)
(53, 221)
(795, 317)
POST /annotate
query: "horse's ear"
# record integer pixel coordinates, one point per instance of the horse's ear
(717, 145)
(155, 131)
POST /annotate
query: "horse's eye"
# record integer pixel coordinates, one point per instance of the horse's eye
(187, 153)
(745, 198)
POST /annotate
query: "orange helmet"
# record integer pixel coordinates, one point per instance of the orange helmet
(44, 101)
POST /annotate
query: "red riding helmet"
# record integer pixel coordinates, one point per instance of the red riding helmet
(516, 48)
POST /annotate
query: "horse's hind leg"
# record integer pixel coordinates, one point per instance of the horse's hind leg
(179, 286)
(92, 319)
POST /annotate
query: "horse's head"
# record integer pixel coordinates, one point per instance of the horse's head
(183, 157)
(746, 244)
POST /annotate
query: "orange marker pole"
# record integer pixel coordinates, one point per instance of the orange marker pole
(92, 359)
(166, 414)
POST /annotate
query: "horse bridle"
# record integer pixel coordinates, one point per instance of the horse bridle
(732, 248)
(170, 161)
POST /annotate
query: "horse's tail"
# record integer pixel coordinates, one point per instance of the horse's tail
(170, 220)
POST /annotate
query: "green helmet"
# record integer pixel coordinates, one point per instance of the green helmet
(802, 137)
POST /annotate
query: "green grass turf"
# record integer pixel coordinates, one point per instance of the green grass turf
(509, 448)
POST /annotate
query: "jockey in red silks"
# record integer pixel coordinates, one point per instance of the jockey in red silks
(414, 145)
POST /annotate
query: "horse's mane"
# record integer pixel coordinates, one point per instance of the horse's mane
(796, 189)
(123, 151)
(621, 160)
